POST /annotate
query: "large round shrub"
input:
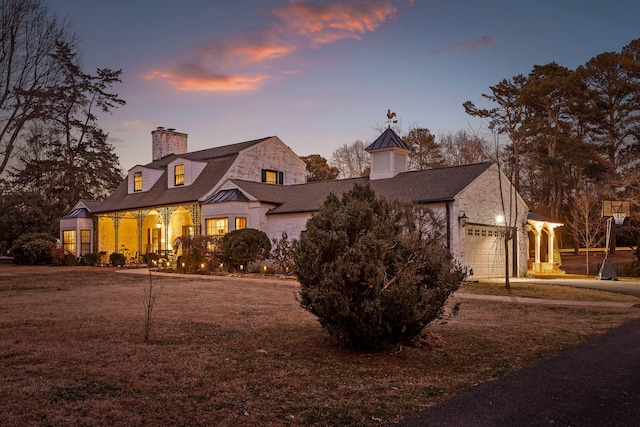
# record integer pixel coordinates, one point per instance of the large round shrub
(373, 272)
(33, 249)
(241, 247)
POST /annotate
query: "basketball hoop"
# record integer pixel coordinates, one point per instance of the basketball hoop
(618, 217)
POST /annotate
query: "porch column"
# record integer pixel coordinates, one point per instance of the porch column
(196, 217)
(538, 233)
(140, 215)
(116, 225)
(165, 214)
(550, 245)
(95, 242)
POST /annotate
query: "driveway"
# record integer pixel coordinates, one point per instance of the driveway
(622, 286)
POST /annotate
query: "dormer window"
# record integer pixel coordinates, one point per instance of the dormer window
(272, 177)
(178, 171)
(137, 181)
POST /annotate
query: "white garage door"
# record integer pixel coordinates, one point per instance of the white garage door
(484, 251)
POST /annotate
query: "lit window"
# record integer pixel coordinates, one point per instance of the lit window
(217, 226)
(69, 241)
(178, 171)
(272, 177)
(241, 223)
(137, 181)
(85, 242)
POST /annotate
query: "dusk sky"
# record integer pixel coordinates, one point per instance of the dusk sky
(320, 74)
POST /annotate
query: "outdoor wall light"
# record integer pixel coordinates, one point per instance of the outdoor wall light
(463, 219)
(158, 223)
(500, 220)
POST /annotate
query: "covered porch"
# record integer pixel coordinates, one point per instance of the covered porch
(543, 256)
(136, 234)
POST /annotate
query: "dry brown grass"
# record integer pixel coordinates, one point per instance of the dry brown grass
(238, 353)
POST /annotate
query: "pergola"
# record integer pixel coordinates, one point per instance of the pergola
(539, 226)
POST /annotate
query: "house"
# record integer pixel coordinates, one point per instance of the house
(261, 184)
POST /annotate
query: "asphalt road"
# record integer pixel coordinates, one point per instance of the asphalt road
(594, 384)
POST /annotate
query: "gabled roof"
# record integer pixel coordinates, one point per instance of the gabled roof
(426, 186)
(388, 139)
(218, 160)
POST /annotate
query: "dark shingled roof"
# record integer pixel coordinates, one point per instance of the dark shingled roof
(426, 186)
(218, 160)
(388, 139)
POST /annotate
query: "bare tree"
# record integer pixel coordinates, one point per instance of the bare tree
(586, 225)
(28, 36)
(463, 148)
(151, 293)
(351, 159)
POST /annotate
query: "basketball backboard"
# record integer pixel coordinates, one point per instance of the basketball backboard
(610, 207)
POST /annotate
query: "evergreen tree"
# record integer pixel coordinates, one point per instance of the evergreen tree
(373, 272)
(426, 152)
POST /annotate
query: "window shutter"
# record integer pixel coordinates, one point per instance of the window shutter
(281, 178)
(264, 175)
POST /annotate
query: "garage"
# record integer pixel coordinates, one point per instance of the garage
(484, 251)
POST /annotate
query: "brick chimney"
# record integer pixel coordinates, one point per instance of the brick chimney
(168, 141)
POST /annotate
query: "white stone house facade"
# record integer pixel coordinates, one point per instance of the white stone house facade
(261, 184)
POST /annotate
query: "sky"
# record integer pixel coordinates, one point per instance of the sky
(320, 74)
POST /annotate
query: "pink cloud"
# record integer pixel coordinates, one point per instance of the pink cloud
(250, 50)
(191, 77)
(466, 46)
(222, 66)
(331, 22)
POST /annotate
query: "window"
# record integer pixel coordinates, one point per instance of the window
(217, 226)
(137, 181)
(272, 177)
(241, 223)
(69, 241)
(85, 242)
(178, 171)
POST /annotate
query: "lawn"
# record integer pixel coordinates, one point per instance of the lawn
(233, 352)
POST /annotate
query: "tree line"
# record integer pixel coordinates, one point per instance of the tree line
(52, 150)
(565, 137)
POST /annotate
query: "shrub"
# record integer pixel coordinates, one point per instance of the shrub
(117, 259)
(196, 252)
(69, 259)
(92, 258)
(33, 249)
(150, 258)
(241, 247)
(631, 269)
(374, 273)
(57, 255)
(282, 253)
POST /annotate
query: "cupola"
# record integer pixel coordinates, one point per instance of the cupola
(389, 155)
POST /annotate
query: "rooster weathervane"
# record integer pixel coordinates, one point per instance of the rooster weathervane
(390, 117)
